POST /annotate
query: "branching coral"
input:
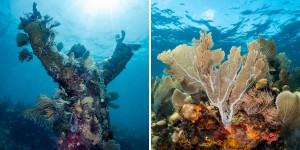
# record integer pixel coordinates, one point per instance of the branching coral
(223, 83)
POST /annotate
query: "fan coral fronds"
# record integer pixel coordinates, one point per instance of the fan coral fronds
(288, 105)
(284, 62)
(224, 83)
(60, 46)
(294, 82)
(163, 98)
(25, 55)
(78, 50)
(268, 47)
(22, 39)
(44, 111)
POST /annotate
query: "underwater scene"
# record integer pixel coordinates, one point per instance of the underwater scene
(74, 75)
(225, 75)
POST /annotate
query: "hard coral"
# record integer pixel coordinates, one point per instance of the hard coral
(261, 84)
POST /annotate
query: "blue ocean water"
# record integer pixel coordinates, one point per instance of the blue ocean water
(93, 24)
(232, 23)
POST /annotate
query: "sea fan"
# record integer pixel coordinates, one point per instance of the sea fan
(44, 111)
(25, 55)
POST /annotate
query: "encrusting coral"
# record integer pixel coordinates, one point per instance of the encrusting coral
(221, 104)
(79, 109)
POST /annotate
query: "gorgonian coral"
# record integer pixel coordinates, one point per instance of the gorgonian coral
(25, 55)
(216, 104)
(288, 105)
(44, 111)
(259, 102)
(224, 83)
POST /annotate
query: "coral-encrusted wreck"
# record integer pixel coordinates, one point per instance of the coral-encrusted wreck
(79, 108)
(209, 103)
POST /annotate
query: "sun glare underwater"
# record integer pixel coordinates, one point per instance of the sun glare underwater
(68, 67)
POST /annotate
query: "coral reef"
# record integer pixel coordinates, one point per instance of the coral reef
(203, 69)
(78, 112)
(232, 104)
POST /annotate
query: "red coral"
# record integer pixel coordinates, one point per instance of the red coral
(234, 127)
(244, 128)
(270, 137)
(226, 131)
(221, 136)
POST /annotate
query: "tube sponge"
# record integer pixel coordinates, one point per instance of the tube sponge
(22, 39)
(288, 105)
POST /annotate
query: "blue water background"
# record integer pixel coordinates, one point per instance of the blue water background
(232, 23)
(25, 81)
